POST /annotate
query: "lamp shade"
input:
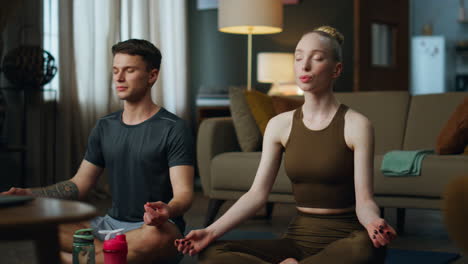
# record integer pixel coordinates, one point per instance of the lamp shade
(275, 67)
(250, 16)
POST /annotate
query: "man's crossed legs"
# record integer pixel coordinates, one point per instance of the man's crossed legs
(146, 244)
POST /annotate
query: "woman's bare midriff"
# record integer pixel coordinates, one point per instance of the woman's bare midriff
(325, 211)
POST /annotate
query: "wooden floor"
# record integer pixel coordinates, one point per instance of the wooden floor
(424, 231)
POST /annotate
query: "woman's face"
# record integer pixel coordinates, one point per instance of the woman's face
(314, 64)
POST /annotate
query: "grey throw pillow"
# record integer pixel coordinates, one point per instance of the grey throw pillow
(248, 134)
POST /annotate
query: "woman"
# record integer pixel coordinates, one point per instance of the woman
(328, 152)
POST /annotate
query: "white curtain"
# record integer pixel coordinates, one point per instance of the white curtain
(163, 23)
(174, 49)
(88, 29)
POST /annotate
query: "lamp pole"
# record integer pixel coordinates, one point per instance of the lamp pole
(249, 59)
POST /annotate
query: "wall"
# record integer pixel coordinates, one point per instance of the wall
(219, 60)
(442, 16)
(24, 28)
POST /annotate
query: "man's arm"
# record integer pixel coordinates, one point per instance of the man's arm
(73, 189)
(180, 156)
(63, 190)
(157, 213)
(182, 189)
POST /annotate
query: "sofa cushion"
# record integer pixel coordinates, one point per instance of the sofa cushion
(261, 107)
(436, 172)
(386, 110)
(247, 132)
(454, 135)
(236, 171)
(427, 115)
(264, 107)
(283, 104)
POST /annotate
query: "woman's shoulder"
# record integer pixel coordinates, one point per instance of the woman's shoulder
(280, 125)
(354, 117)
(358, 128)
(284, 118)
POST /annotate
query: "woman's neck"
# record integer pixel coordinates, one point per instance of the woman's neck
(319, 104)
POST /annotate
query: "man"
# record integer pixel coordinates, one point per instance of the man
(148, 152)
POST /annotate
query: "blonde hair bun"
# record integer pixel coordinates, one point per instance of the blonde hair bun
(332, 32)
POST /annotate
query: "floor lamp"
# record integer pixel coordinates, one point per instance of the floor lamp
(250, 17)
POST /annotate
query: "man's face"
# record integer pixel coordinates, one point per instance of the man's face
(131, 77)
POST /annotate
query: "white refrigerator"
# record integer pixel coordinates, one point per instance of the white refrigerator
(428, 65)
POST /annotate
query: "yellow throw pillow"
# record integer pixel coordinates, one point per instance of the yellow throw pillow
(261, 107)
(283, 104)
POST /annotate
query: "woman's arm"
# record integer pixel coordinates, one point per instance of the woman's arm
(251, 201)
(359, 133)
(256, 197)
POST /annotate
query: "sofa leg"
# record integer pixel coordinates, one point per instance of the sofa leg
(213, 207)
(269, 210)
(401, 220)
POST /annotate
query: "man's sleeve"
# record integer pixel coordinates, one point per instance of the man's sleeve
(180, 145)
(94, 150)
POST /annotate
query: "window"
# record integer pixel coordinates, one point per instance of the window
(51, 41)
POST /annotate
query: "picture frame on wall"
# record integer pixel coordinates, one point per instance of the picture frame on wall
(213, 4)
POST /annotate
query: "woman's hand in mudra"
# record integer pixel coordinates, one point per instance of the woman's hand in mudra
(194, 242)
(380, 232)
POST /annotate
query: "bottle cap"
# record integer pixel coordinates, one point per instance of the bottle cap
(117, 244)
(84, 236)
(109, 233)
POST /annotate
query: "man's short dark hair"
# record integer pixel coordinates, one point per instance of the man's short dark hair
(150, 54)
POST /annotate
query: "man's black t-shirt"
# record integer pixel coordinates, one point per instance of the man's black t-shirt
(138, 158)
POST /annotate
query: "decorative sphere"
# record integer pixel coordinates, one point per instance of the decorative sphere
(29, 66)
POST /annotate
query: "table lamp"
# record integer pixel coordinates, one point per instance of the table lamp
(250, 17)
(277, 68)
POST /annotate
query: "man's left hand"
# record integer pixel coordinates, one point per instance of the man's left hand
(156, 213)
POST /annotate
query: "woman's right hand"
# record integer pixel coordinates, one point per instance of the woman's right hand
(194, 242)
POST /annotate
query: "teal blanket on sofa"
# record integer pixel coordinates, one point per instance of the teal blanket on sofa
(403, 162)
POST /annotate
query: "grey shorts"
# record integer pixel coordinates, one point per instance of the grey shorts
(109, 223)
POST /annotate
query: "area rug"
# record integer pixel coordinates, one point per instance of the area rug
(394, 256)
(400, 256)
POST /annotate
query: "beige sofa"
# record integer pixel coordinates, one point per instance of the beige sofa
(401, 122)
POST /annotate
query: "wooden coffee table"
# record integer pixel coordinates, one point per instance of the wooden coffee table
(38, 220)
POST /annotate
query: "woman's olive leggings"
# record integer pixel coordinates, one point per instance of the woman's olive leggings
(310, 239)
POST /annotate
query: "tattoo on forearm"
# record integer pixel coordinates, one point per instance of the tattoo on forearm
(63, 190)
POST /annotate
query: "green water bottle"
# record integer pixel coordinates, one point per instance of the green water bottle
(83, 247)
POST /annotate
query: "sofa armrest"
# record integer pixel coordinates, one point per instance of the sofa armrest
(215, 136)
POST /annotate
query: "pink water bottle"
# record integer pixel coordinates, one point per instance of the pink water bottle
(115, 249)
